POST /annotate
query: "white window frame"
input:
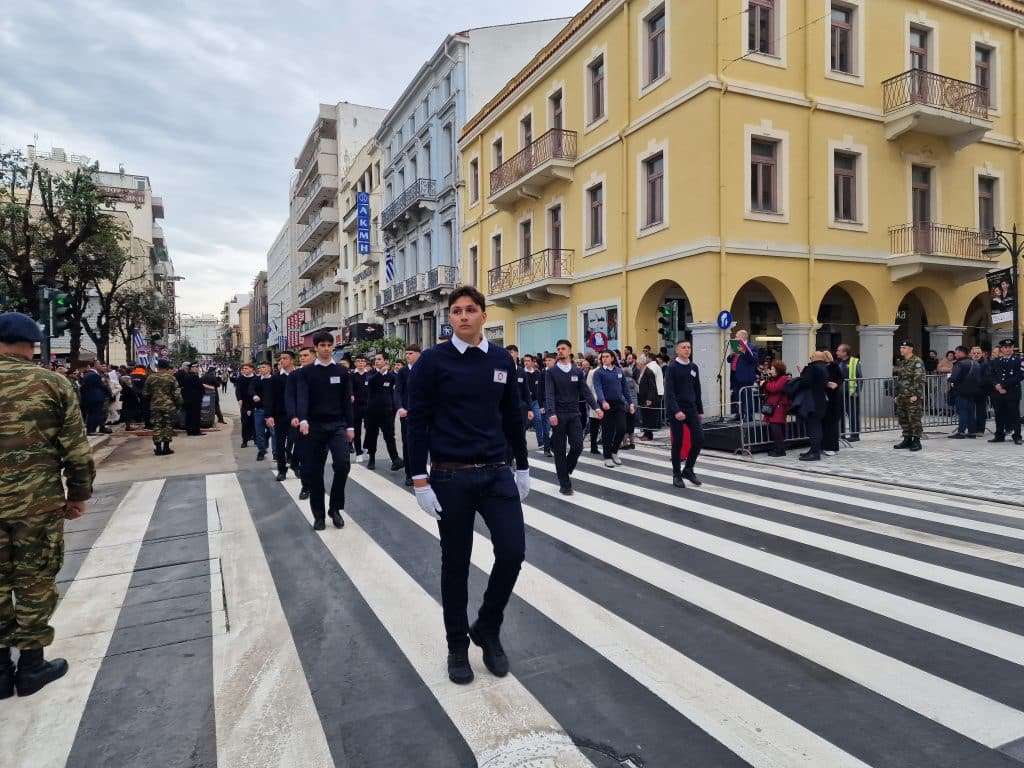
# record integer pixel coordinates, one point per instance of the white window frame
(1000, 178)
(859, 20)
(474, 274)
(847, 145)
(595, 54)
(528, 218)
(915, 20)
(473, 200)
(494, 140)
(555, 88)
(527, 113)
(555, 202)
(935, 202)
(777, 59)
(653, 148)
(495, 235)
(595, 180)
(995, 71)
(643, 39)
(768, 132)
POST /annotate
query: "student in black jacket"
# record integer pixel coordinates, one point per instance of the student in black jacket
(276, 412)
(324, 409)
(463, 411)
(245, 388)
(360, 398)
(565, 387)
(685, 413)
(380, 412)
(306, 357)
(412, 354)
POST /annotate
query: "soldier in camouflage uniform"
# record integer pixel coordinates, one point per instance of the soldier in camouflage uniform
(41, 433)
(164, 403)
(910, 379)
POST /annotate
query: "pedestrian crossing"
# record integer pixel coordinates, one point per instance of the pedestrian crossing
(768, 618)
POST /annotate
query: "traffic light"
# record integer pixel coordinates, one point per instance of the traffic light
(60, 306)
(666, 322)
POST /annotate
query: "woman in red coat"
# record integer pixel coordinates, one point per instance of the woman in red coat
(771, 389)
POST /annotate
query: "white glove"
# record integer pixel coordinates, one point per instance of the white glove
(428, 502)
(523, 483)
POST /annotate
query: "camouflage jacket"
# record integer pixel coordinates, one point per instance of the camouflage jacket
(910, 376)
(163, 391)
(41, 433)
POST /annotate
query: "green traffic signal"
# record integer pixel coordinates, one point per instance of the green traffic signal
(60, 307)
(666, 317)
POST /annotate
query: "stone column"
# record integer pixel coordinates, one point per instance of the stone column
(708, 348)
(796, 344)
(942, 338)
(876, 349)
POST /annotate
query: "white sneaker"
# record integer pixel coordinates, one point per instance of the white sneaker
(609, 463)
(616, 459)
(829, 453)
(360, 457)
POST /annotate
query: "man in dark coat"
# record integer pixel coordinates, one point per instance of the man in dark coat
(810, 402)
(94, 393)
(245, 388)
(192, 391)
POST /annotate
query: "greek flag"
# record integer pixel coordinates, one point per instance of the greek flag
(389, 264)
(141, 349)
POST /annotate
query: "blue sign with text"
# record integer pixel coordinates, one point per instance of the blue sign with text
(363, 223)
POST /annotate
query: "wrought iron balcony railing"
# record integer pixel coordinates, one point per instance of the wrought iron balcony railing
(556, 144)
(442, 276)
(918, 86)
(930, 239)
(421, 189)
(550, 263)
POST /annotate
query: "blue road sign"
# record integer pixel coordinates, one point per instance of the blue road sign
(446, 330)
(362, 198)
(725, 319)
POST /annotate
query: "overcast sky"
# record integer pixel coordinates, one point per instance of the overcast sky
(212, 100)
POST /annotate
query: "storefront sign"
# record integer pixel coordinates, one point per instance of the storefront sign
(363, 223)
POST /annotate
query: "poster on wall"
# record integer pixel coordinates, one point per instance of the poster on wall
(1002, 294)
(602, 320)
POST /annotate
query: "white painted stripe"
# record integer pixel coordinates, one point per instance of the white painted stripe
(39, 731)
(503, 724)
(757, 733)
(973, 634)
(690, 501)
(264, 710)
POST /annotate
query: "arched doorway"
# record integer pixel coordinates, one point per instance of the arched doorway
(920, 308)
(760, 306)
(838, 319)
(978, 320)
(667, 293)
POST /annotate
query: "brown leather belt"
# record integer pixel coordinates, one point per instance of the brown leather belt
(455, 466)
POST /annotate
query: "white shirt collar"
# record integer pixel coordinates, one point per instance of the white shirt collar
(322, 364)
(564, 367)
(462, 346)
(608, 367)
(683, 362)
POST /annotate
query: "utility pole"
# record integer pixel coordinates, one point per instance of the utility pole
(43, 319)
(999, 242)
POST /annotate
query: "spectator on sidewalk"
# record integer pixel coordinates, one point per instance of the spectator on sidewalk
(946, 364)
(647, 396)
(742, 373)
(831, 424)
(775, 399)
(986, 387)
(810, 402)
(964, 387)
(853, 374)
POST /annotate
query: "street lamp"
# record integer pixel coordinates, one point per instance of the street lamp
(1000, 241)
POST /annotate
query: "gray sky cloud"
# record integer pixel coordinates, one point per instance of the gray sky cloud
(213, 100)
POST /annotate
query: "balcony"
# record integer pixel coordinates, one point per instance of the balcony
(325, 125)
(324, 161)
(348, 224)
(930, 247)
(535, 278)
(325, 252)
(158, 235)
(420, 195)
(526, 173)
(923, 101)
(322, 189)
(329, 321)
(442, 276)
(158, 207)
(318, 290)
(423, 287)
(323, 222)
(342, 275)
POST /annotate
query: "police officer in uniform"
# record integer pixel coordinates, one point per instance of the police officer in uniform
(910, 379)
(41, 434)
(164, 403)
(1006, 373)
(464, 408)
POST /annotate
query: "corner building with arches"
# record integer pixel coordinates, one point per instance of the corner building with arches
(824, 170)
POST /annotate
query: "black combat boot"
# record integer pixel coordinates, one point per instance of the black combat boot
(689, 475)
(34, 671)
(158, 449)
(906, 443)
(167, 448)
(6, 674)
(678, 482)
(915, 444)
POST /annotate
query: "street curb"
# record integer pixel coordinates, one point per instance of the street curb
(98, 441)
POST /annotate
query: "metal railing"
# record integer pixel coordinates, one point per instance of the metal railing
(542, 265)
(919, 86)
(421, 189)
(556, 144)
(932, 239)
(415, 284)
(442, 276)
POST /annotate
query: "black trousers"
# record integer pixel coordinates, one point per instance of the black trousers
(383, 422)
(405, 446)
(812, 422)
(359, 414)
(95, 416)
(613, 427)
(192, 415)
(300, 454)
(324, 438)
(777, 430)
(595, 431)
(284, 444)
(1007, 408)
(567, 444)
(694, 431)
(492, 492)
(248, 428)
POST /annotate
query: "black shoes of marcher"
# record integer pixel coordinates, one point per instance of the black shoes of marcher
(303, 494)
(998, 439)
(6, 674)
(245, 443)
(336, 518)
(167, 448)
(397, 464)
(319, 525)
(565, 489)
(916, 445)
(281, 476)
(956, 436)
(853, 439)
(105, 431)
(408, 482)
(459, 671)
(689, 475)
(677, 481)
(372, 463)
(34, 671)
(810, 457)
(1017, 441)
(261, 456)
(494, 655)
(906, 443)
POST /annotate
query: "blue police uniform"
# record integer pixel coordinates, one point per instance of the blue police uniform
(1007, 372)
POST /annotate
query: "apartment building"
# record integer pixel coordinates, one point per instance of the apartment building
(201, 331)
(279, 288)
(750, 156)
(420, 218)
(259, 325)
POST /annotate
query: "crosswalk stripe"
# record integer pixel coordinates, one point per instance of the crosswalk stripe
(40, 731)
(751, 729)
(264, 710)
(949, 577)
(968, 632)
(500, 720)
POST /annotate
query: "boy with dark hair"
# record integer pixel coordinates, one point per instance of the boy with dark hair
(565, 386)
(412, 354)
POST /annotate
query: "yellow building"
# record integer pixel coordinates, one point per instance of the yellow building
(751, 156)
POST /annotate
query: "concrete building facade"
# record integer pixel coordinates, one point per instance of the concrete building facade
(279, 288)
(258, 317)
(201, 331)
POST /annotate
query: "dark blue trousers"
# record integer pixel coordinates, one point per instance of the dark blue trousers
(324, 438)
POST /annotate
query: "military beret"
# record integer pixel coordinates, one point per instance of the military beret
(907, 343)
(162, 364)
(16, 327)
(1006, 343)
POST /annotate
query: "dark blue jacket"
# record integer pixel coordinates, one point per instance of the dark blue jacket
(682, 387)
(402, 388)
(610, 385)
(324, 394)
(381, 391)
(92, 391)
(562, 395)
(745, 373)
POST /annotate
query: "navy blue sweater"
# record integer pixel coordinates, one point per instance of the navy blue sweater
(610, 385)
(323, 395)
(564, 391)
(682, 387)
(464, 408)
(381, 391)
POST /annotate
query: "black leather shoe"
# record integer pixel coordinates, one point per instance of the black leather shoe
(245, 443)
(547, 452)
(689, 475)
(6, 674)
(319, 525)
(34, 671)
(998, 439)
(337, 519)
(810, 457)
(261, 456)
(565, 489)
(303, 494)
(677, 481)
(494, 655)
(397, 464)
(281, 476)
(371, 464)
(408, 482)
(1017, 441)
(459, 671)
(167, 448)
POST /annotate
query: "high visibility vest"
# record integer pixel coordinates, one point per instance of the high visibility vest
(851, 373)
